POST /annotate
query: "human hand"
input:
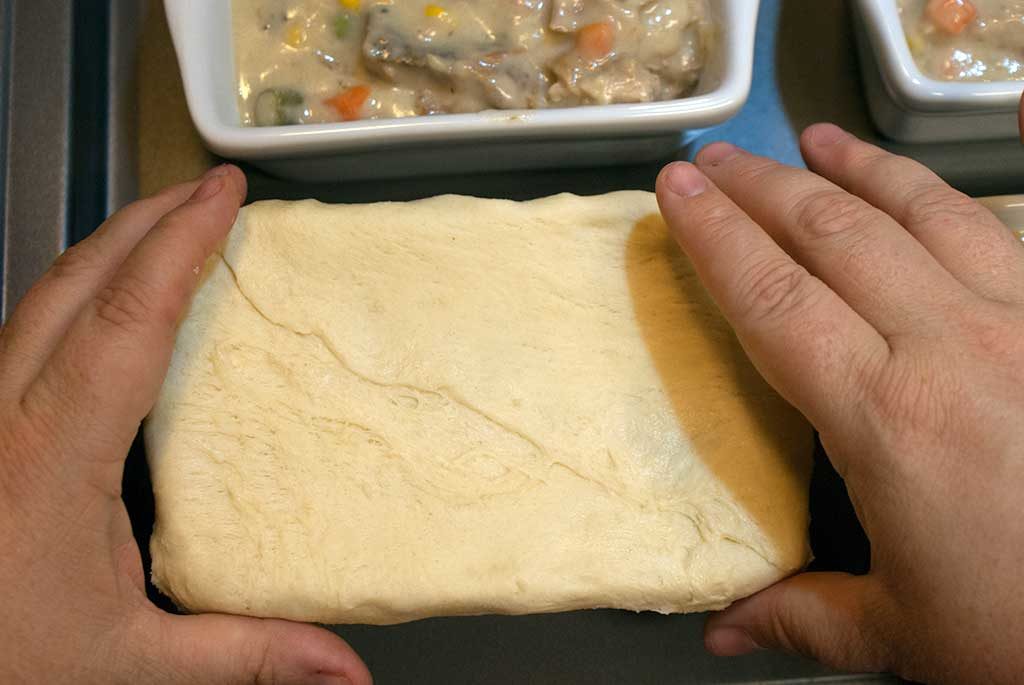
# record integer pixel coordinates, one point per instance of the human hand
(81, 361)
(889, 309)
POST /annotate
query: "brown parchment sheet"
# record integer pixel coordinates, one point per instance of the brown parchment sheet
(170, 149)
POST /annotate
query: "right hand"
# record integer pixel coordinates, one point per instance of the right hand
(889, 308)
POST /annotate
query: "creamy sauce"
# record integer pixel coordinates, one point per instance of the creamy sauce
(314, 61)
(989, 48)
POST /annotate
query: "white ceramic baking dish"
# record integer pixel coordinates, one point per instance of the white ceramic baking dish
(491, 140)
(908, 106)
(1009, 209)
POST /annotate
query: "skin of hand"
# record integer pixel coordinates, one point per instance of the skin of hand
(81, 361)
(889, 309)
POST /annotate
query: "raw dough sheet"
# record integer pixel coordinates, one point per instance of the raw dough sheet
(377, 413)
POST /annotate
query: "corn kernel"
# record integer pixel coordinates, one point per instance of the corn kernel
(295, 36)
(435, 11)
(915, 43)
(352, 5)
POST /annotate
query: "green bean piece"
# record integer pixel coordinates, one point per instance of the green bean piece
(289, 98)
(279, 107)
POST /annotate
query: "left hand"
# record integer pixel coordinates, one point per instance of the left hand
(81, 361)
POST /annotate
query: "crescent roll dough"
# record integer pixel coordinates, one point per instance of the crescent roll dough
(377, 413)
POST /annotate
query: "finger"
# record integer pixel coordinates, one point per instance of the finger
(43, 316)
(830, 617)
(231, 649)
(861, 253)
(807, 342)
(107, 370)
(964, 237)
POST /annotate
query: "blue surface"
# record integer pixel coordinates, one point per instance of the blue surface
(763, 125)
(806, 70)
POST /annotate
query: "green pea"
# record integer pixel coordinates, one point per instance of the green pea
(342, 25)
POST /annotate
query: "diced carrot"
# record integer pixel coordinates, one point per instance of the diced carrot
(951, 16)
(595, 41)
(349, 103)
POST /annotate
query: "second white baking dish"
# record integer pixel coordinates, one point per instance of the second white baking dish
(908, 106)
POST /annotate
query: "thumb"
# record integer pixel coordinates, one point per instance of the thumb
(214, 648)
(829, 617)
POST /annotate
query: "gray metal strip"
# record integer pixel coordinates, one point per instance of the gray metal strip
(5, 77)
(126, 18)
(38, 142)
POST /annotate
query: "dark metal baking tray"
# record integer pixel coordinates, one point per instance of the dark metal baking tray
(67, 141)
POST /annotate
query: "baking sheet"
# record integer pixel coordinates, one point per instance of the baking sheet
(577, 647)
(134, 136)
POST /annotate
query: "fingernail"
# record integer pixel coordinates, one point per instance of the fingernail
(729, 641)
(324, 679)
(824, 135)
(685, 179)
(218, 171)
(716, 153)
(208, 188)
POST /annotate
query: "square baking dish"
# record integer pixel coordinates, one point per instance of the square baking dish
(1009, 209)
(910, 107)
(487, 141)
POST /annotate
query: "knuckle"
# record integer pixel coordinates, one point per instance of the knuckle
(185, 242)
(939, 205)
(774, 290)
(875, 163)
(867, 161)
(915, 401)
(126, 304)
(717, 222)
(867, 646)
(828, 215)
(789, 630)
(753, 170)
(898, 397)
(28, 444)
(852, 643)
(996, 340)
(780, 620)
(76, 261)
(177, 230)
